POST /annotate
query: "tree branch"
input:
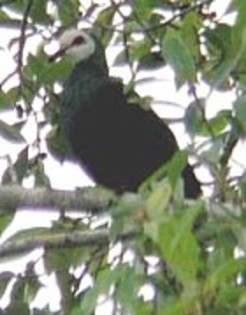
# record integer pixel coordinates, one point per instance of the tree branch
(87, 199)
(60, 240)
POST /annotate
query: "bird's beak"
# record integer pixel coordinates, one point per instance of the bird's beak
(57, 54)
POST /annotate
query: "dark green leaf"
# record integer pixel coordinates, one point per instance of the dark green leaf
(151, 61)
(38, 12)
(19, 303)
(219, 41)
(227, 46)
(20, 168)
(5, 277)
(17, 307)
(41, 179)
(194, 117)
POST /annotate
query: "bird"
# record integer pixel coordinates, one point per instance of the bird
(118, 143)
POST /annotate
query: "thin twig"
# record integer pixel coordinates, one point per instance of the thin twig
(156, 26)
(22, 38)
(7, 78)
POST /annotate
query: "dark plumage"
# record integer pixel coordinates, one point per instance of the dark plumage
(119, 144)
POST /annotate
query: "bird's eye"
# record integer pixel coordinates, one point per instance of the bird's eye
(78, 41)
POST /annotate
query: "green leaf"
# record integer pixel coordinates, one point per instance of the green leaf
(176, 53)
(240, 111)
(17, 6)
(143, 308)
(10, 133)
(193, 119)
(224, 69)
(127, 284)
(4, 104)
(105, 17)
(41, 179)
(212, 149)
(4, 16)
(140, 49)
(78, 311)
(45, 72)
(33, 285)
(176, 166)
(57, 71)
(179, 246)
(20, 168)
(189, 33)
(197, 124)
(151, 61)
(68, 11)
(227, 47)
(159, 200)
(57, 144)
(17, 306)
(4, 221)
(129, 206)
(225, 271)
(144, 8)
(120, 59)
(102, 285)
(219, 40)
(218, 124)
(5, 277)
(9, 98)
(241, 10)
(19, 303)
(38, 12)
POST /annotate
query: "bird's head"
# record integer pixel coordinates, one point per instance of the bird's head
(78, 45)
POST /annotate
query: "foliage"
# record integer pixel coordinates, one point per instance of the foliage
(186, 257)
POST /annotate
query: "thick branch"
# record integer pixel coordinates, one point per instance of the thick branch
(86, 199)
(60, 240)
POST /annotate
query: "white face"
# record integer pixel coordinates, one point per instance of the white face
(77, 44)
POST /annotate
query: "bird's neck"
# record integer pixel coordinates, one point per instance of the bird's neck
(89, 70)
(83, 80)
